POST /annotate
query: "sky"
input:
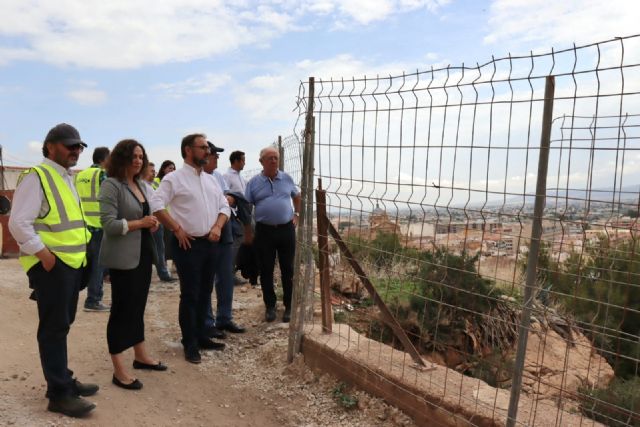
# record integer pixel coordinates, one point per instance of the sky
(156, 70)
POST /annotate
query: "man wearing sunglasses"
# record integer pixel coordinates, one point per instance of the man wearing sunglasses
(197, 213)
(48, 223)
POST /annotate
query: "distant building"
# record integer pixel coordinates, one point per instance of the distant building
(379, 222)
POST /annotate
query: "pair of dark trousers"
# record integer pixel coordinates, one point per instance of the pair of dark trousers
(196, 270)
(129, 292)
(56, 294)
(269, 241)
(94, 286)
(223, 286)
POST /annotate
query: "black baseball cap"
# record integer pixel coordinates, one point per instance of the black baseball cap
(213, 148)
(64, 133)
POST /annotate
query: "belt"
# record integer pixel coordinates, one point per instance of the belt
(205, 237)
(262, 224)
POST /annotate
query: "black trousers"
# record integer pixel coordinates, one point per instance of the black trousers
(196, 270)
(56, 292)
(129, 292)
(269, 241)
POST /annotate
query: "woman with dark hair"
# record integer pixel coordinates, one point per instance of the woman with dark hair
(128, 251)
(167, 167)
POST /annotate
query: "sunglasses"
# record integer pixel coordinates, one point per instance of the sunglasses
(202, 147)
(74, 147)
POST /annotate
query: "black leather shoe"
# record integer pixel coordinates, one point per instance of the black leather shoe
(133, 385)
(168, 279)
(286, 316)
(216, 333)
(157, 367)
(71, 406)
(270, 314)
(210, 345)
(192, 356)
(232, 327)
(86, 390)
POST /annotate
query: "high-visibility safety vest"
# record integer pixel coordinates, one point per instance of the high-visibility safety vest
(88, 186)
(63, 229)
(155, 183)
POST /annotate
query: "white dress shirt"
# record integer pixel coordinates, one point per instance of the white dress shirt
(194, 199)
(235, 181)
(29, 203)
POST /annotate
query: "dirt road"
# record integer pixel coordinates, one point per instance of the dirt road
(249, 384)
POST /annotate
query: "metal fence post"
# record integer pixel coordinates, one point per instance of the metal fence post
(534, 248)
(303, 238)
(280, 153)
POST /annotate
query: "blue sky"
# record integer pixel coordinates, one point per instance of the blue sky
(157, 70)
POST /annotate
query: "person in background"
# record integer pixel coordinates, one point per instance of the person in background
(272, 192)
(149, 176)
(128, 251)
(224, 262)
(47, 222)
(166, 168)
(234, 180)
(158, 236)
(190, 204)
(237, 184)
(88, 184)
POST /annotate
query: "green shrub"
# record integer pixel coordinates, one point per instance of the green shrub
(616, 405)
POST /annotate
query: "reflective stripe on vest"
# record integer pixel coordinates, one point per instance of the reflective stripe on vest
(88, 187)
(62, 230)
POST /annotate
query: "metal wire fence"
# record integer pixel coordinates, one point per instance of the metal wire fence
(526, 310)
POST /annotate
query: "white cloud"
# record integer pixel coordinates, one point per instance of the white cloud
(546, 23)
(273, 95)
(124, 34)
(88, 94)
(200, 85)
(367, 11)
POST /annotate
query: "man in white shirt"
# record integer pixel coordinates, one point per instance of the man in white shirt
(235, 181)
(199, 211)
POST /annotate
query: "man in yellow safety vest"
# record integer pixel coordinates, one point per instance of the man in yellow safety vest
(48, 223)
(88, 186)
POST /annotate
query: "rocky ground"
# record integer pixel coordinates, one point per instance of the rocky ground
(248, 384)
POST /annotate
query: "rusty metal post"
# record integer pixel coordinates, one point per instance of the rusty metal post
(323, 258)
(280, 153)
(534, 249)
(303, 238)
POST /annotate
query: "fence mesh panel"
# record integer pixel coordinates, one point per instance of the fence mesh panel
(430, 179)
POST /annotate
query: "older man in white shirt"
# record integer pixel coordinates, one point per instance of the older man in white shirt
(199, 210)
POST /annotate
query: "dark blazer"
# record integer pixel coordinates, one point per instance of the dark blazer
(117, 205)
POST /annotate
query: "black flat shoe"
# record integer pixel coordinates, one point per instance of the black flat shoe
(157, 367)
(134, 385)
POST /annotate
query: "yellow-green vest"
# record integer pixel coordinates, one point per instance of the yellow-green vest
(62, 230)
(155, 183)
(88, 186)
